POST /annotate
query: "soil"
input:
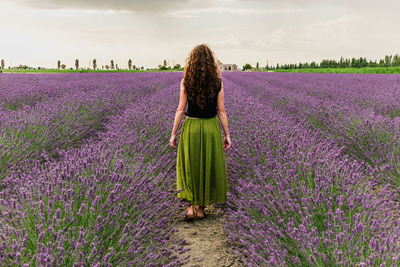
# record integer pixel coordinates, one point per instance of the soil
(206, 240)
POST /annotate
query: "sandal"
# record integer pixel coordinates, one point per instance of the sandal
(187, 217)
(200, 218)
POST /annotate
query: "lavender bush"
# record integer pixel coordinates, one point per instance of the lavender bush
(66, 119)
(358, 114)
(89, 178)
(109, 201)
(298, 199)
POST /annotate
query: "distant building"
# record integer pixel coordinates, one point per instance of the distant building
(227, 67)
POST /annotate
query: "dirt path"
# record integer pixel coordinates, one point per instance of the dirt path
(206, 240)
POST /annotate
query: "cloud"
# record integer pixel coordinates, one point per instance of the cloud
(232, 42)
(307, 2)
(240, 30)
(135, 6)
(174, 8)
(273, 40)
(348, 4)
(346, 30)
(343, 31)
(189, 13)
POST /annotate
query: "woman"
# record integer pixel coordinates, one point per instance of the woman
(201, 166)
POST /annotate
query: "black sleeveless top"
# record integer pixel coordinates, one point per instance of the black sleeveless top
(209, 110)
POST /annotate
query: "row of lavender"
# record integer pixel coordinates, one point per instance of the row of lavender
(299, 197)
(108, 200)
(295, 197)
(359, 113)
(55, 112)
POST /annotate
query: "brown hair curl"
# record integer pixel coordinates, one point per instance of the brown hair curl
(201, 77)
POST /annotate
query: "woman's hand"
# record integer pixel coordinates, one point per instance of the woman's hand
(227, 142)
(172, 141)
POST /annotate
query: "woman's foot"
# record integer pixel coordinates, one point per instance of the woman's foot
(200, 212)
(189, 215)
(189, 210)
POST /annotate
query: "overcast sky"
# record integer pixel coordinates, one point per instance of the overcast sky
(40, 32)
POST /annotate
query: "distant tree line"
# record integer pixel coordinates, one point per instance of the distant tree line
(165, 67)
(111, 66)
(388, 61)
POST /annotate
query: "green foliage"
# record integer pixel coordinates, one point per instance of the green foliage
(388, 61)
(106, 69)
(247, 67)
(377, 70)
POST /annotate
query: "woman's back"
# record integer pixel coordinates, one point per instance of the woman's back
(209, 110)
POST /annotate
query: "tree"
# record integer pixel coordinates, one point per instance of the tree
(76, 64)
(165, 63)
(388, 61)
(247, 67)
(177, 66)
(63, 66)
(341, 62)
(107, 67)
(372, 63)
(134, 67)
(130, 63)
(112, 64)
(94, 64)
(142, 67)
(396, 60)
(116, 66)
(2, 64)
(364, 62)
(257, 65)
(59, 64)
(353, 62)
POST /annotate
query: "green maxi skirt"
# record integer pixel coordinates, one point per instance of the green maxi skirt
(201, 166)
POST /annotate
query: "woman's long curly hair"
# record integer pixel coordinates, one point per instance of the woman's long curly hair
(200, 77)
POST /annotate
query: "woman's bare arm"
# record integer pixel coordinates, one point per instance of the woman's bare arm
(221, 111)
(180, 111)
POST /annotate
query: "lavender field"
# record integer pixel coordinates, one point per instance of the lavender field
(87, 177)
